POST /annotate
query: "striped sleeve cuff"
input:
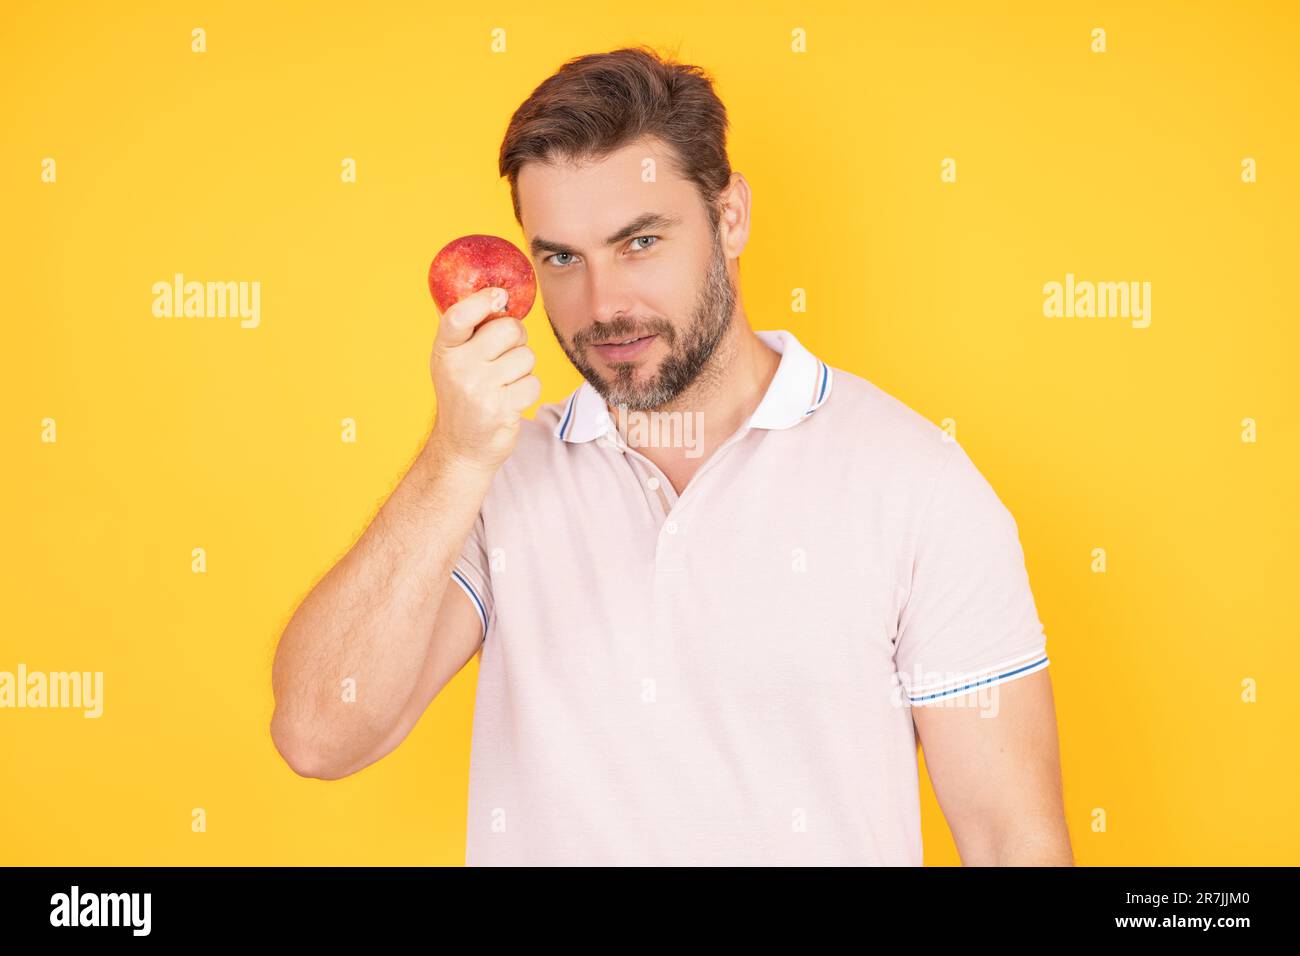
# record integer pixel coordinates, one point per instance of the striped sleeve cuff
(473, 596)
(942, 687)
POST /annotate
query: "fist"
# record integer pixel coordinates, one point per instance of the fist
(482, 377)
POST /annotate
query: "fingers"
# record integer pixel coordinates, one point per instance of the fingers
(495, 337)
(521, 394)
(456, 325)
(513, 365)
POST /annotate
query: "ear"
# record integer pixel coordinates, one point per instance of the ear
(734, 209)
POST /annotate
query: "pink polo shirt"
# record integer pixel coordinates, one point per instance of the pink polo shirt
(726, 676)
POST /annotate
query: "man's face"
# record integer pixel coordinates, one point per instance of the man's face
(619, 258)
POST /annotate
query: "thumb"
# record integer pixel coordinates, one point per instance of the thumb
(456, 326)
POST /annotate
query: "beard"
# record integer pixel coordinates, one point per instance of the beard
(689, 349)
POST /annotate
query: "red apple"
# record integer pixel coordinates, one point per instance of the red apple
(465, 265)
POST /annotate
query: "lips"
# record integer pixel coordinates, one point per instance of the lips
(618, 352)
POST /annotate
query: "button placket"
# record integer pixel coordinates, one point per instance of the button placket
(656, 481)
(677, 507)
(672, 509)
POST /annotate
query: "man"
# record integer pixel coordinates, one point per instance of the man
(718, 648)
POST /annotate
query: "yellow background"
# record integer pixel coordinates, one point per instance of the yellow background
(183, 433)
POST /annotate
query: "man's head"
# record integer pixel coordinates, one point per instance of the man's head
(634, 220)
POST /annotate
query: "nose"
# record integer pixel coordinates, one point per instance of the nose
(609, 298)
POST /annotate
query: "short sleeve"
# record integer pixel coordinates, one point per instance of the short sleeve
(470, 572)
(969, 620)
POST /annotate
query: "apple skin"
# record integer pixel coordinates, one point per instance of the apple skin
(465, 265)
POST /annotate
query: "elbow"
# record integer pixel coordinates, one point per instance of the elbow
(303, 760)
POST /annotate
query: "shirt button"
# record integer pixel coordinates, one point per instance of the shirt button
(671, 527)
(652, 482)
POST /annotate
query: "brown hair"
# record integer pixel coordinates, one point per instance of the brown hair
(600, 102)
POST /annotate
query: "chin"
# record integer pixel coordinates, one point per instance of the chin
(638, 401)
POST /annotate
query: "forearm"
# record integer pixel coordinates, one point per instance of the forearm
(1020, 844)
(370, 618)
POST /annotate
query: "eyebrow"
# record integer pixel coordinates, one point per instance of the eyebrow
(647, 220)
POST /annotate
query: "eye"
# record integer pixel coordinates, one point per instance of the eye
(570, 255)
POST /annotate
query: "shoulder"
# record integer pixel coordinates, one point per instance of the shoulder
(884, 428)
(938, 472)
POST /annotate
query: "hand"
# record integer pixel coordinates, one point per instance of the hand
(482, 380)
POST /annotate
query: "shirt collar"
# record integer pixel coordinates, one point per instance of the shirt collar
(801, 385)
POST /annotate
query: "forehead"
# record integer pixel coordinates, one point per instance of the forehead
(587, 200)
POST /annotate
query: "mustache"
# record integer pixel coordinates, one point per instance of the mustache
(603, 332)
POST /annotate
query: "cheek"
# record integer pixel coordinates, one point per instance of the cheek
(563, 298)
(662, 287)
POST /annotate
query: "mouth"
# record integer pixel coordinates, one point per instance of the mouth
(624, 349)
